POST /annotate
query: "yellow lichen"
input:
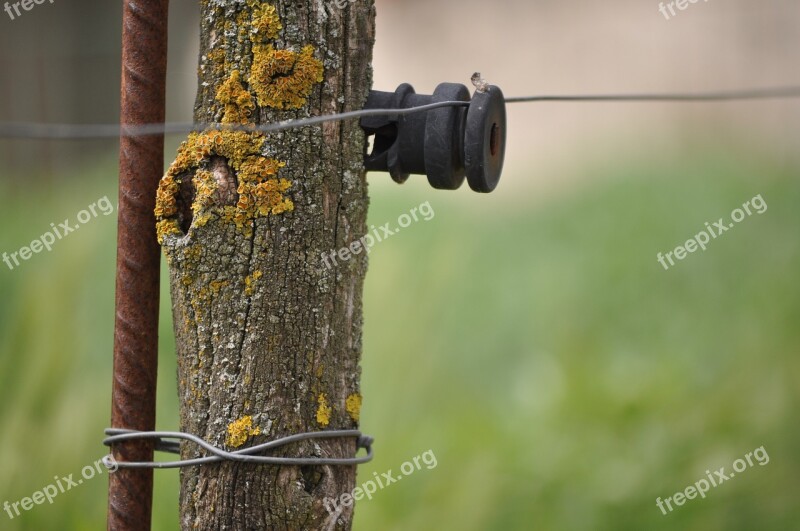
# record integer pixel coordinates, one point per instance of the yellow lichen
(353, 406)
(283, 79)
(233, 215)
(191, 152)
(265, 22)
(166, 204)
(323, 410)
(204, 295)
(241, 430)
(193, 253)
(241, 28)
(167, 227)
(261, 193)
(217, 285)
(250, 282)
(237, 101)
(205, 186)
(216, 59)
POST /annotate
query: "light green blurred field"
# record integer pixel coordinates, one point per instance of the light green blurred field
(563, 379)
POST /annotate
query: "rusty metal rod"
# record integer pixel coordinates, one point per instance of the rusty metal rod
(144, 68)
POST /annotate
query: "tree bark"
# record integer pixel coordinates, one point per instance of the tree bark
(268, 337)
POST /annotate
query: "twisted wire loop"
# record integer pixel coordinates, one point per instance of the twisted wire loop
(168, 442)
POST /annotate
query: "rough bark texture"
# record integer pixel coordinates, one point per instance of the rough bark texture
(268, 338)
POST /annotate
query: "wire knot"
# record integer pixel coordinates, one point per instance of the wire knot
(168, 441)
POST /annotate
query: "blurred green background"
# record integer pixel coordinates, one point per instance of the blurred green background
(563, 379)
(529, 338)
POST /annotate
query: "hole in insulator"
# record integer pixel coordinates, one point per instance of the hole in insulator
(494, 140)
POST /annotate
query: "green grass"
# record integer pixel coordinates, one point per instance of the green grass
(563, 379)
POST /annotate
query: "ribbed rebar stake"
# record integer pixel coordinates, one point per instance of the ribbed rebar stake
(144, 65)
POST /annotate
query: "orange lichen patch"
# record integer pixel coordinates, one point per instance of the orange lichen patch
(261, 167)
(233, 145)
(167, 227)
(191, 153)
(241, 430)
(323, 410)
(216, 59)
(166, 204)
(236, 146)
(353, 406)
(283, 79)
(205, 188)
(192, 253)
(261, 193)
(237, 101)
(270, 199)
(250, 282)
(230, 214)
(265, 23)
(217, 285)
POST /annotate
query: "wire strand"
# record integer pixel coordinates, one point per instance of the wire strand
(28, 130)
(243, 456)
(734, 95)
(70, 131)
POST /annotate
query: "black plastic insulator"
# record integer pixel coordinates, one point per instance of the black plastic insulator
(447, 144)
